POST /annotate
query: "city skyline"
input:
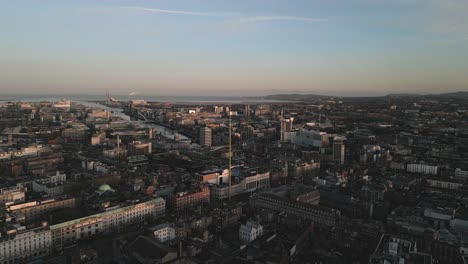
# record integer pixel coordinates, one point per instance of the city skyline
(241, 48)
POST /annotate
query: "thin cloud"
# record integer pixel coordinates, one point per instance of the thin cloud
(176, 12)
(234, 22)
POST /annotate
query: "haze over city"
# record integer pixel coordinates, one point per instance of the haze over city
(234, 132)
(233, 48)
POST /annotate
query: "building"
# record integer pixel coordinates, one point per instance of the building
(396, 250)
(138, 102)
(98, 115)
(114, 219)
(151, 133)
(164, 232)
(21, 245)
(40, 165)
(422, 168)
(318, 214)
(247, 111)
(445, 184)
(461, 174)
(250, 231)
(37, 210)
(188, 199)
(212, 176)
(114, 153)
(307, 138)
(52, 184)
(205, 136)
(98, 138)
(12, 195)
(75, 133)
(339, 149)
(286, 126)
(63, 104)
(244, 180)
(139, 148)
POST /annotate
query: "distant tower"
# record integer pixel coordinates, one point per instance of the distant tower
(247, 111)
(150, 133)
(282, 126)
(339, 149)
(205, 136)
(107, 97)
(286, 126)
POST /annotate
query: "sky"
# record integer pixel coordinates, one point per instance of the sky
(233, 48)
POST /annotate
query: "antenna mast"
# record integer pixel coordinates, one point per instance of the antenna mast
(282, 126)
(230, 154)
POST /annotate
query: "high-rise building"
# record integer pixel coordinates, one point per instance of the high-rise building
(205, 136)
(339, 149)
(151, 133)
(286, 126)
(247, 111)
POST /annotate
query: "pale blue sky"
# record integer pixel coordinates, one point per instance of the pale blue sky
(238, 47)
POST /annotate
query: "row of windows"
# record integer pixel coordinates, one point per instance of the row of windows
(123, 218)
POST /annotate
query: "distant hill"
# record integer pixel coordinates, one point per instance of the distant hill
(455, 94)
(295, 97)
(403, 94)
(307, 97)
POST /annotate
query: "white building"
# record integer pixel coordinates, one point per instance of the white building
(286, 126)
(250, 231)
(138, 102)
(52, 189)
(220, 192)
(112, 220)
(444, 184)
(114, 153)
(422, 168)
(64, 104)
(256, 182)
(247, 183)
(30, 151)
(22, 245)
(57, 177)
(54, 184)
(307, 138)
(461, 174)
(164, 232)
